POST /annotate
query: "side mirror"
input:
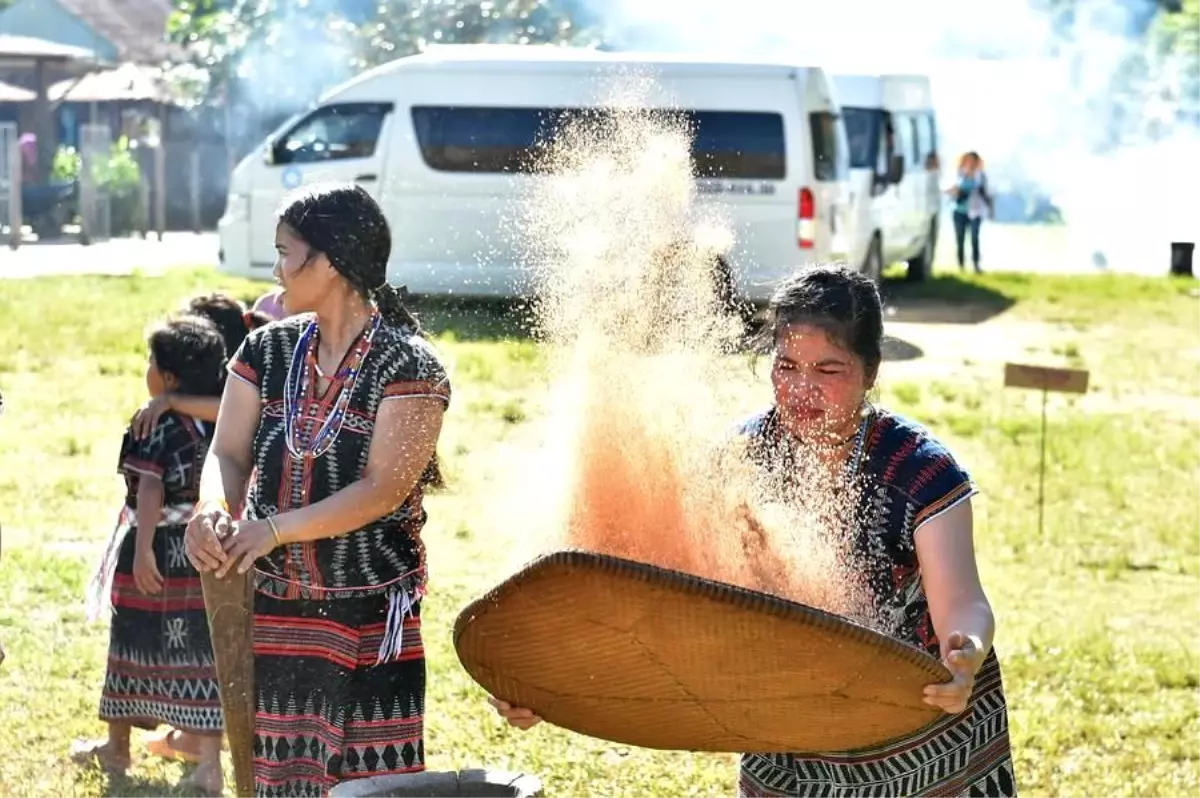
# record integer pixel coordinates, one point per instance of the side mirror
(896, 169)
(269, 153)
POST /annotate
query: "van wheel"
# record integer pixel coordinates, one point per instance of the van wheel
(873, 264)
(920, 266)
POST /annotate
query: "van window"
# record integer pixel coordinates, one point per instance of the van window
(829, 162)
(906, 140)
(333, 133)
(923, 134)
(729, 144)
(888, 144)
(926, 137)
(918, 150)
(862, 131)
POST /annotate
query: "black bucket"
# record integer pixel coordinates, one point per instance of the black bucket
(474, 783)
(1181, 258)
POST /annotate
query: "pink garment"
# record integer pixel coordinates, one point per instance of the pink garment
(269, 304)
(29, 150)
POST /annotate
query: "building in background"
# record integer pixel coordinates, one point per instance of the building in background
(129, 38)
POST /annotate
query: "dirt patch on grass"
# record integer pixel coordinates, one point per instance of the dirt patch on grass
(925, 352)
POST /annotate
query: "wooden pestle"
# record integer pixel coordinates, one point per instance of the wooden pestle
(229, 603)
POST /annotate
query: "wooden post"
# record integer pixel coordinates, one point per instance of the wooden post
(227, 109)
(229, 603)
(195, 190)
(144, 220)
(87, 186)
(43, 123)
(1044, 379)
(160, 175)
(15, 165)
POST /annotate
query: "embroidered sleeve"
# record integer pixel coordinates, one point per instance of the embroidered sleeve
(938, 484)
(417, 371)
(150, 456)
(246, 363)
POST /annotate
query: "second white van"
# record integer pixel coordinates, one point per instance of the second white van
(894, 168)
(443, 141)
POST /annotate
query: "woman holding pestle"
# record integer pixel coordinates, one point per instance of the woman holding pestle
(913, 526)
(335, 411)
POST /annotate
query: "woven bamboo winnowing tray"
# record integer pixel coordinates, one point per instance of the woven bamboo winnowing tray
(645, 656)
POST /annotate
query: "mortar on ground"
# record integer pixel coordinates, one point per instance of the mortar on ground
(475, 783)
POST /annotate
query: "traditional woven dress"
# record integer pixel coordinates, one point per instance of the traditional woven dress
(339, 661)
(907, 478)
(160, 659)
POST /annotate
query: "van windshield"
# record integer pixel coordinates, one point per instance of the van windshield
(726, 144)
(862, 135)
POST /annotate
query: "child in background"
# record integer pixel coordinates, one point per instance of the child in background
(271, 305)
(234, 322)
(160, 659)
(230, 316)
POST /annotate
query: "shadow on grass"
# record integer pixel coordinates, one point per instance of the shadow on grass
(942, 299)
(132, 787)
(897, 350)
(473, 319)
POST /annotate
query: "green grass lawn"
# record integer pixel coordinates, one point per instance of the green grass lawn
(1097, 616)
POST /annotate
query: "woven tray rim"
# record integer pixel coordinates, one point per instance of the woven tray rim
(720, 591)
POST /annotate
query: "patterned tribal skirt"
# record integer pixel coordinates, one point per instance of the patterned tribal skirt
(160, 659)
(327, 712)
(965, 754)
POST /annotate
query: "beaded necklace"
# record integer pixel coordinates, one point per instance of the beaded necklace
(301, 385)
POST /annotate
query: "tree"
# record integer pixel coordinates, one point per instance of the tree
(281, 52)
(284, 52)
(1175, 49)
(403, 27)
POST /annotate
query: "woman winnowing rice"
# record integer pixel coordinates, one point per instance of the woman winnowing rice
(916, 524)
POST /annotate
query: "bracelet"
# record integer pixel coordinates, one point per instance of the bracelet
(274, 530)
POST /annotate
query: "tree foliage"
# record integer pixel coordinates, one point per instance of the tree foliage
(1175, 44)
(287, 51)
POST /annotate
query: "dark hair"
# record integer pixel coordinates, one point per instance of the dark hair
(253, 319)
(843, 303)
(190, 348)
(345, 223)
(229, 316)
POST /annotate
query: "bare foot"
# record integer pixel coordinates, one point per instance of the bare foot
(175, 745)
(207, 780)
(108, 754)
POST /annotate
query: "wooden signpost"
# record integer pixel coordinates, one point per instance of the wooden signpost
(1044, 379)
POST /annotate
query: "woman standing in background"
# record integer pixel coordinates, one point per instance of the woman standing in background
(971, 200)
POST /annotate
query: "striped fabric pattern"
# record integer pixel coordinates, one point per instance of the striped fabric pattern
(338, 696)
(160, 661)
(326, 712)
(906, 479)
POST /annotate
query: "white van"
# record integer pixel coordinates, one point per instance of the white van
(442, 140)
(894, 168)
